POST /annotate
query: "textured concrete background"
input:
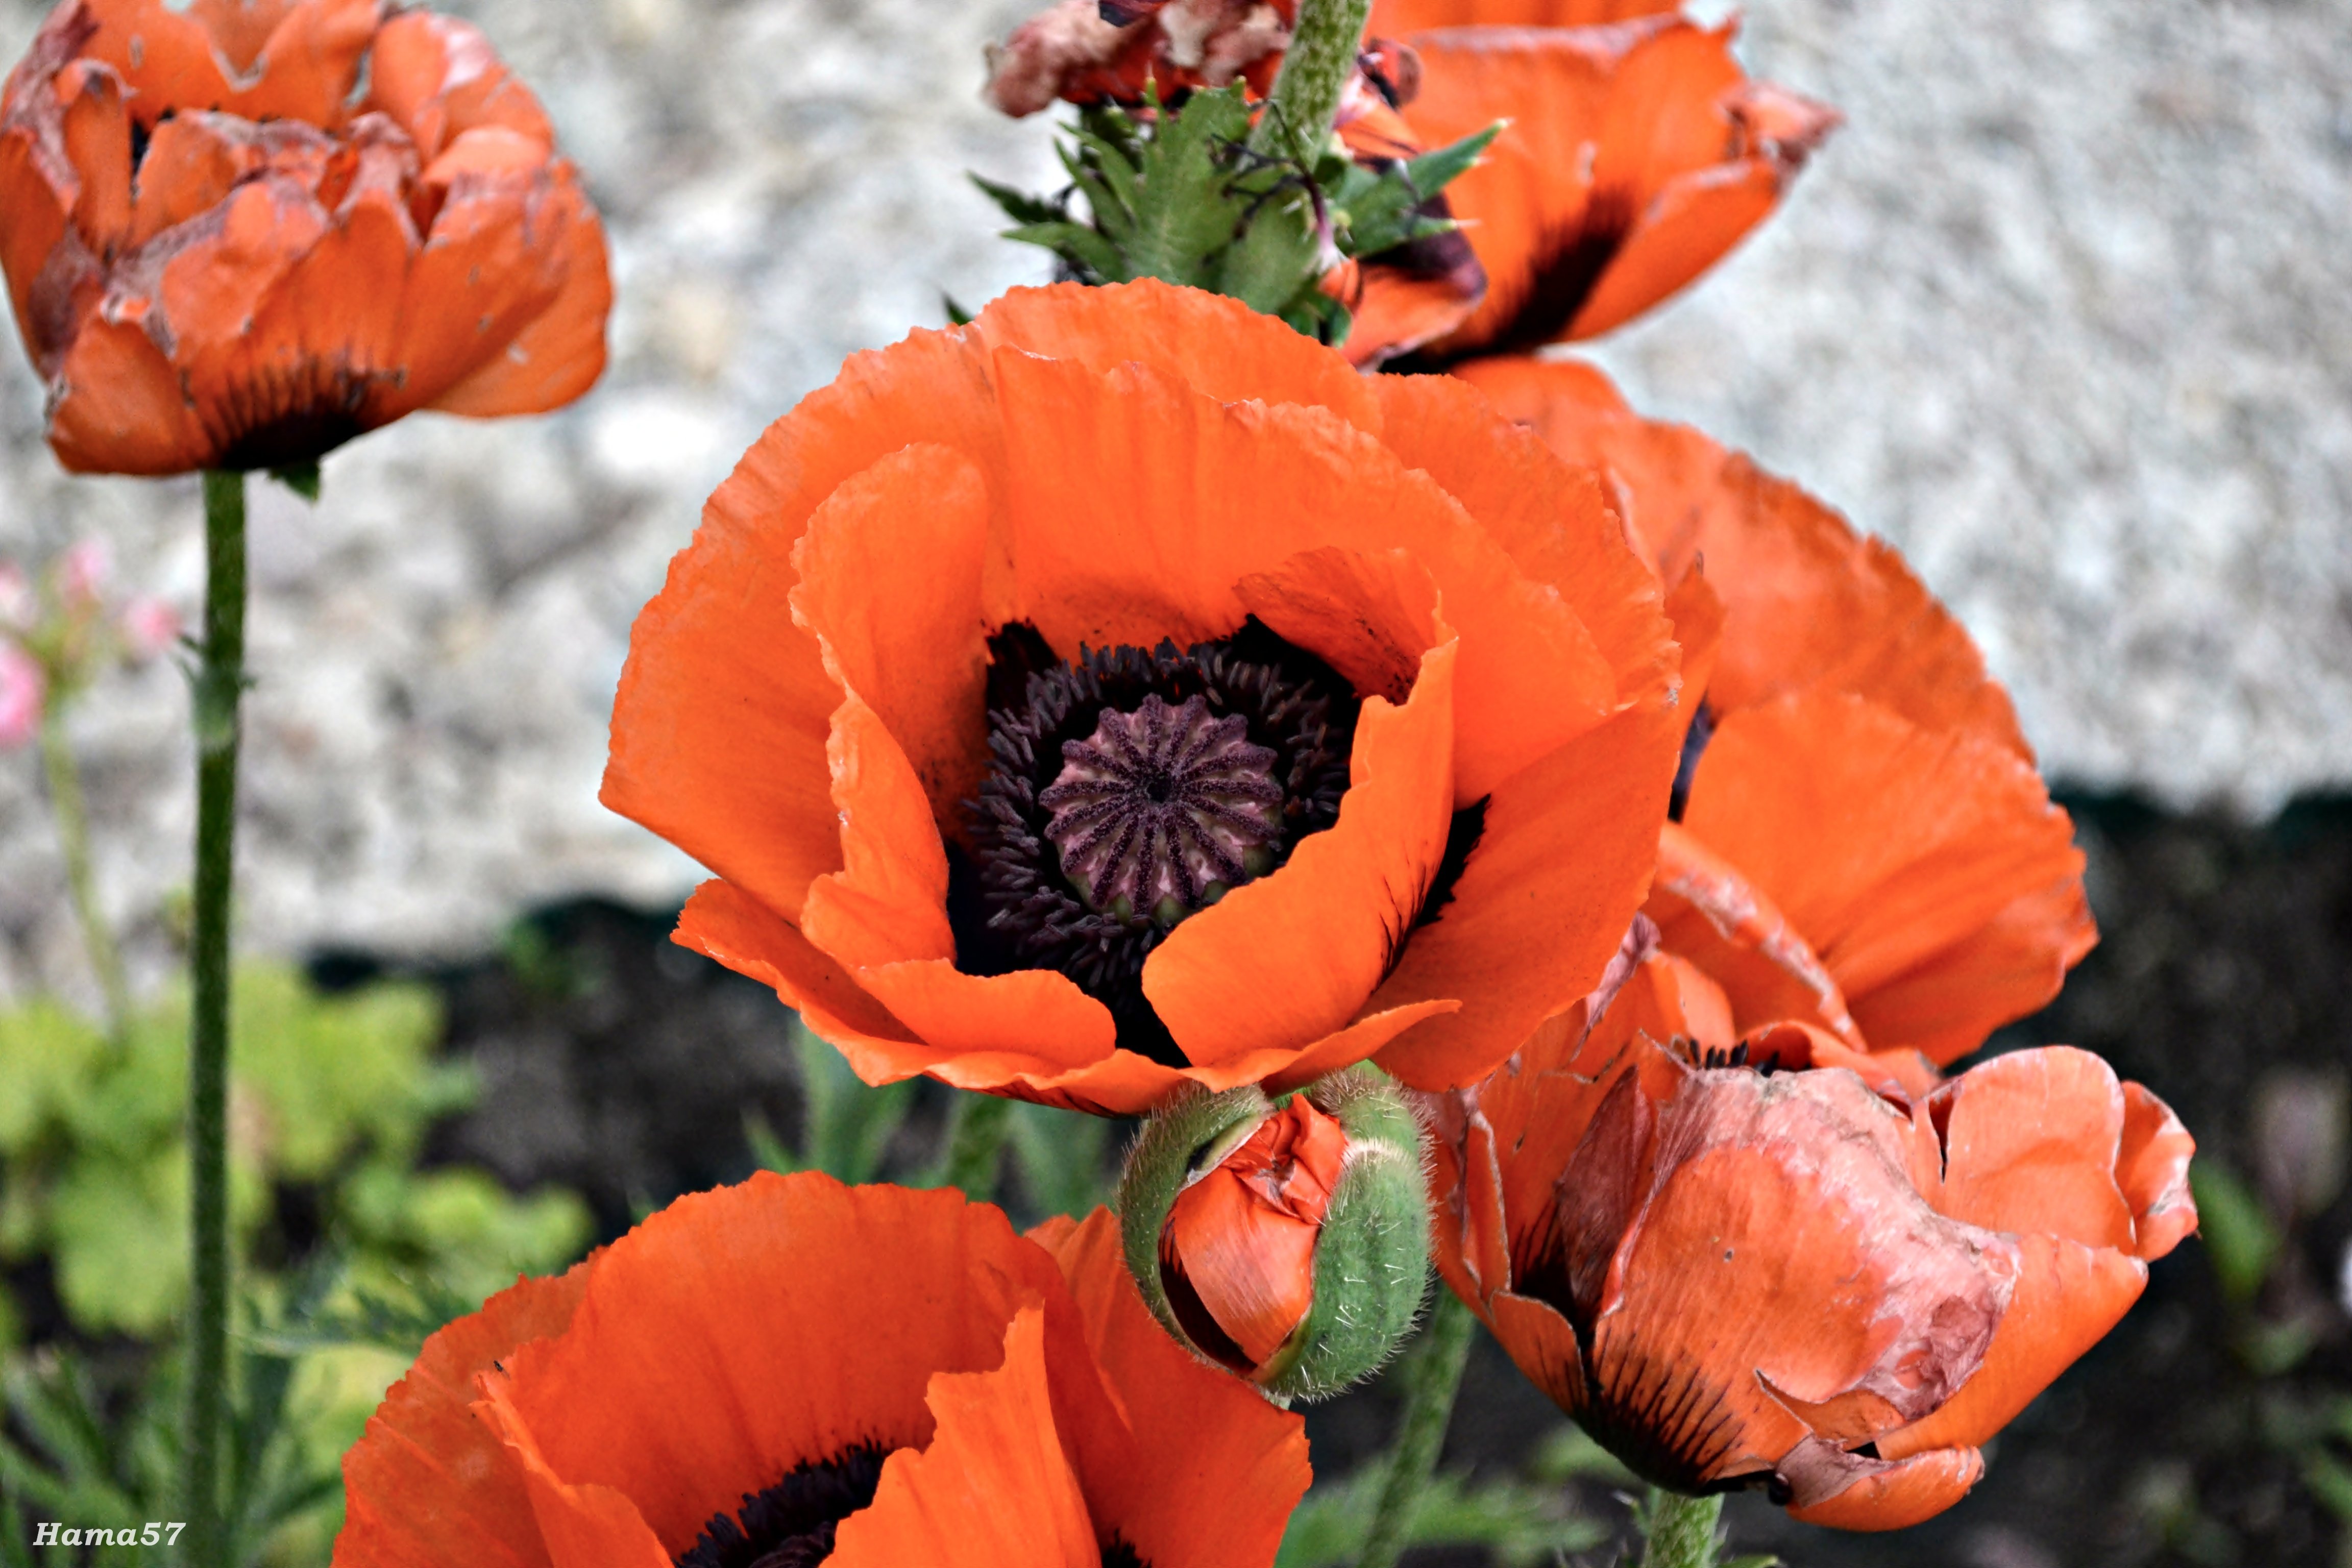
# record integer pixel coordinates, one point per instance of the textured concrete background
(2063, 312)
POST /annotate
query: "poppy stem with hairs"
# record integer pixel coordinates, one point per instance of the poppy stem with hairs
(67, 804)
(1681, 1530)
(975, 1145)
(1432, 1377)
(218, 683)
(1324, 42)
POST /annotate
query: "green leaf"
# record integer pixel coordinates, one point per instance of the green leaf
(1077, 243)
(2240, 1237)
(302, 479)
(1186, 207)
(1018, 205)
(1382, 210)
(1277, 257)
(847, 1124)
(1059, 1155)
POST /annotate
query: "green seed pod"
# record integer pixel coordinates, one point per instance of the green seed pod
(1289, 1242)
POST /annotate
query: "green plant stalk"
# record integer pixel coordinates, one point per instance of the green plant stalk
(1324, 44)
(1433, 1376)
(67, 804)
(1682, 1530)
(219, 684)
(976, 1144)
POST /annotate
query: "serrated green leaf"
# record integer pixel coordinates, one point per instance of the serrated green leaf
(1018, 205)
(1186, 208)
(1277, 252)
(1078, 244)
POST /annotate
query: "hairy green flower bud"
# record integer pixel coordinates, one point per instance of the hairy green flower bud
(1287, 1242)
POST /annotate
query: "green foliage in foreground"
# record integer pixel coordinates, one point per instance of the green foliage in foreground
(332, 1097)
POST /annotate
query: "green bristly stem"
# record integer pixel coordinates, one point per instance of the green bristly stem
(219, 683)
(1432, 1377)
(1324, 44)
(976, 1144)
(67, 805)
(1682, 1530)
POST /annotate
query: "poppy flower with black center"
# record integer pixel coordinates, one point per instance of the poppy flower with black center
(1861, 841)
(1771, 1277)
(1121, 691)
(1637, 153)
(241, 232)
(794, 1372)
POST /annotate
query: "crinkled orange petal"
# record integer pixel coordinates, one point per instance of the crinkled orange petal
(438, 76)
(1287, 959)
(579, 1525)
(118, 406)
(1218, 1469)
(212, 287)
(1219, 347)
(890, 586)
(1793, 1193)
(1934, 835)
(992, 1489)
(481, 279)
(774, 1287)
(424, 1442)
(1686, 229)
(1901, 1495)
(1542, 902)
(336, 309)
(2031, 1144)
(36, 192)
(1710, 912)
(2066, 1298)
(1807, 601)
(560, 353)
(1139, 505)
(190, 167)
(2152, 1169)
(717, 746)
(95, 124)
(2011, 967)
(289, 61)
(1551, 518)
(1395, 18)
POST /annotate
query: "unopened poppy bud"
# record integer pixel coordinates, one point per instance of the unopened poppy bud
(1287, 1243)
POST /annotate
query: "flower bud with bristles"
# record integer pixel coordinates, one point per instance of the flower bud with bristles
(1289, 1242)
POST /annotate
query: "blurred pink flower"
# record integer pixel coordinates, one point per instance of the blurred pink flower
(150, 626)
(21, 686)
(16, 602)
(82, 572)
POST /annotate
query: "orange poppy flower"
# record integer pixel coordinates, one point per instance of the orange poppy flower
(1740, 1279)
(1635, 155)
(1863, 842)
(239, 235)
(793, 1371)
(1121, 691)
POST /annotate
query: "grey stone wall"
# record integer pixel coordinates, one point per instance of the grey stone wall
(2063, 312)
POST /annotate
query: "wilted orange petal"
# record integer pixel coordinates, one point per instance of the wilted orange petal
(560, 353)
(479, 283)
(2031, 1141)
(424, 1437)
(1901, 1496)
(120, 409)
(438, 76)
(37, 208)
(97, 129)
(1711, 913)
(2066, 1297)
(2152, 1169)
(992, 1489)
(190, 166)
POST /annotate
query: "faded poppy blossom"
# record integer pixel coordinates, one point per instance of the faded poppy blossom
(1121, 691)
(1289, 1243)
(1783, 1279)
(1109, 51)
(795, 1371)
(1862, 842)
(239, 235)
(1636, 154)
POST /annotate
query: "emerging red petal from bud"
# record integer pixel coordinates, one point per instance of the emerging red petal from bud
(1243, 1238)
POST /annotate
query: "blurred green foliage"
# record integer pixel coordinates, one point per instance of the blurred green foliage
(332, 1096)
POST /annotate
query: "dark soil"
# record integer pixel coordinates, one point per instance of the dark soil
(617, 1063)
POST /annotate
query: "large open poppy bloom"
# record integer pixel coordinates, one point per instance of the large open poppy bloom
(238, 234)
(1121, 690)
(1863, 843)
(795, 1371)
(1789, 1280)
